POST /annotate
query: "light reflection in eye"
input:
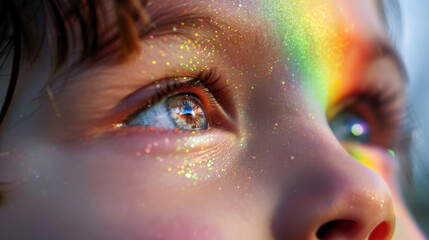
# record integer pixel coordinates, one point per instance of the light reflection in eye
(358, 129)
(187, 112)
(182, 111)
(350, 127)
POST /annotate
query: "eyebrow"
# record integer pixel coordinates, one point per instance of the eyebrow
(180, 20)
(190, 22)
(185, 21)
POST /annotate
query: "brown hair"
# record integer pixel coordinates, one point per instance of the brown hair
(23, 28)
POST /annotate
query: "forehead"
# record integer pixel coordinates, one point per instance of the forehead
(308, 37)
(293, 30)
(365, 13)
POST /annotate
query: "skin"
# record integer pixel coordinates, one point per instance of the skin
(278, 173)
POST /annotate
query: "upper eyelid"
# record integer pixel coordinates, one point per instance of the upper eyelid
(157, 90)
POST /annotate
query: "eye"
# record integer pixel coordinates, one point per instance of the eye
(179, 103)
(184, 111)
(350, 127)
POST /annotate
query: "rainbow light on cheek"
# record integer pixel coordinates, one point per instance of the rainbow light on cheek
(314, 38)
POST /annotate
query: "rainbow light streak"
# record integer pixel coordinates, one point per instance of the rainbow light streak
(314, 39)
(370, 158)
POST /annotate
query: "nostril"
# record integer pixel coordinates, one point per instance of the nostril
(336, 227)
(380, 232)
(325, 228)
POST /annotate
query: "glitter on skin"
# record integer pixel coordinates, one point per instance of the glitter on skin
(313, 46)
(197, 164)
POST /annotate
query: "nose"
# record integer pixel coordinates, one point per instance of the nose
(334, 200)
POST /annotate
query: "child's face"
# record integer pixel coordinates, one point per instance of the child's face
(218, 129)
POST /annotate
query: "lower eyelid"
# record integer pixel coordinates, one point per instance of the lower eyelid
(165, 140)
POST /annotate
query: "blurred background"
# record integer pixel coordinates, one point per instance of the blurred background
(413, 45)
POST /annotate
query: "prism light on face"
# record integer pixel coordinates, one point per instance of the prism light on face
(314, 37)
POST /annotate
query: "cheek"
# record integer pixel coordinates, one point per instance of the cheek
(162, 161)
(128, 192)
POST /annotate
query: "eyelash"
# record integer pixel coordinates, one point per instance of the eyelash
(215, 95)
(382, 102)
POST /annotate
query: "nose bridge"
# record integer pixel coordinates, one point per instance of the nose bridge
(332, 196)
